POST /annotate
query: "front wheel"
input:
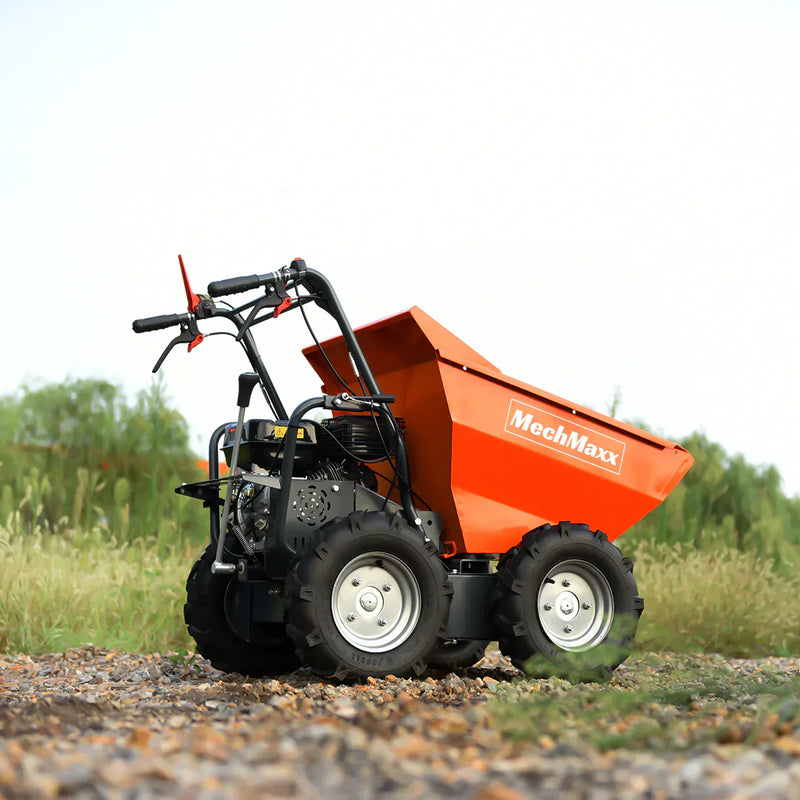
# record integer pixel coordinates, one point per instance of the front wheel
(262, 650)
(370, 596)
(567, 603)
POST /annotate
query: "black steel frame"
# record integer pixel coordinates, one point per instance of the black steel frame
(322, 293)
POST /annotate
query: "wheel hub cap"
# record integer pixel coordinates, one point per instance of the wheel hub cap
(368, 601)
(580, 617)
(567, 605)
(376, 602)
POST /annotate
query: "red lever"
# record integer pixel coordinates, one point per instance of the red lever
(196, 341)
(287, 301)
(191, 297)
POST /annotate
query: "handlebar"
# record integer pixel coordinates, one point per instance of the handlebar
(203, 308)
(236, 285)
(243, 284)
(157, 323)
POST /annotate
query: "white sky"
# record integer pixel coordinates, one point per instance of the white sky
(591, 195)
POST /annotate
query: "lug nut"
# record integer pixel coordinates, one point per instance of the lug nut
(382, 621)
(387, 587)
(568, 629)
(356, 581)
(566, 582)
(548, 606)
(351, 616)
(587, 606)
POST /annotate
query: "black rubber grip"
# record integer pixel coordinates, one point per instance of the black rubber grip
(381, 398)
(247, 380)
(235, 285)
(156, 323)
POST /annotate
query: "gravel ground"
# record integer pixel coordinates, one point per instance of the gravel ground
(96, 724)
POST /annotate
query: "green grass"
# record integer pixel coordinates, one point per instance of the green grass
(94, 549)
(654, 703)
(128, 494)
(716, 601)
(62, 586)
(61, 589)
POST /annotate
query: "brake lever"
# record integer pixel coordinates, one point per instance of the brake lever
(276, 298)
(189, 334)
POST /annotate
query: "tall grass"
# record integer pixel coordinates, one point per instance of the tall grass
(63, 585)
(66, 587)
(94, 544)
(130, 495)
(718, 600)
(78, 449)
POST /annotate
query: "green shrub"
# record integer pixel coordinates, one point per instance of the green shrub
(76, 450)
(723, 500)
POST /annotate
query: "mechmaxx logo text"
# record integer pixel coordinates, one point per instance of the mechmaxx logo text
(565, 436)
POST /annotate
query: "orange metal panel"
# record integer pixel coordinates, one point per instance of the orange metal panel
(497, 457)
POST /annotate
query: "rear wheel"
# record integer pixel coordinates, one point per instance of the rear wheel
(458, 654)
(264, 649)
(567, 603)
(370, 596)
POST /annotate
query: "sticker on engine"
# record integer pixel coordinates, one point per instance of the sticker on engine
(564, 436)
(280, 432)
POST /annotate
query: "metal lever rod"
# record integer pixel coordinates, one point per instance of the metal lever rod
(247, 380)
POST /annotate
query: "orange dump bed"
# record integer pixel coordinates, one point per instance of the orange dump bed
(495, 456)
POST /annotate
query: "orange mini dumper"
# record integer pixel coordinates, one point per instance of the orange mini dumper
(323, 554)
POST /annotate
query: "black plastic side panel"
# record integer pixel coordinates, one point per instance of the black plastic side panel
(252, 604)
(471, 608)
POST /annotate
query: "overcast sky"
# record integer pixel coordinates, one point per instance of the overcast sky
(591, 195)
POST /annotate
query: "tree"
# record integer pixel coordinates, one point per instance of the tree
(88, 414)
(79, 450)
(723, 499)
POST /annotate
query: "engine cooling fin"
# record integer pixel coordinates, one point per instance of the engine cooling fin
(364, 438)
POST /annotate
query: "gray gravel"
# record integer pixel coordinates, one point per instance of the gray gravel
(94, 724)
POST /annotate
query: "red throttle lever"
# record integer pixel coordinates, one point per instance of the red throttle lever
(193, 303)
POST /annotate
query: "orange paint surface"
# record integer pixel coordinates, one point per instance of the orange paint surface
(497, 457)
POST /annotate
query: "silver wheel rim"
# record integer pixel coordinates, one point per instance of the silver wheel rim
(575, 605)
(376, 602)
